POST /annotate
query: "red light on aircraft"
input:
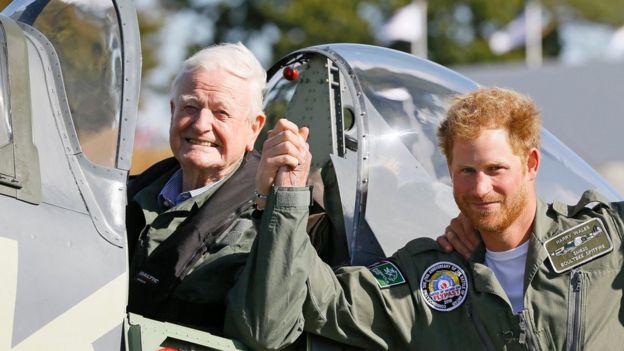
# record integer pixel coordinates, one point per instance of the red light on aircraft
(290, 73)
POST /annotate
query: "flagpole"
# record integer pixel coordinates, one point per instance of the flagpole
(533, 38)
(419, 44)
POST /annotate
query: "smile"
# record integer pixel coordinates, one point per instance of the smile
(200, 142)
(484, 205)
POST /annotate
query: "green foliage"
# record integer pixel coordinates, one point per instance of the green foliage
(458, 30)
(606, 11)
(313, 22)
(149, 26)
(299, 23)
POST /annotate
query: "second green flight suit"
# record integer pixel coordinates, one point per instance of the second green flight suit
(424, 299)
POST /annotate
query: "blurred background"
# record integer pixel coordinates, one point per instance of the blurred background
(567, 55)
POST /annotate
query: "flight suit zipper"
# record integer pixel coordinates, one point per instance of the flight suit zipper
(526, 337)
(575, 304)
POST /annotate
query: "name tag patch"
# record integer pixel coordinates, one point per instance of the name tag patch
(444, 286)
(386, 274)
(578, 245)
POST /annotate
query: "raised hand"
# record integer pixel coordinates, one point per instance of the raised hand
(285, 157)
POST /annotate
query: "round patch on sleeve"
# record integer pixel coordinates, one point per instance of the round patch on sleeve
(444, 286)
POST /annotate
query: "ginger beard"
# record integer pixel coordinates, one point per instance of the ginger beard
(498, 219)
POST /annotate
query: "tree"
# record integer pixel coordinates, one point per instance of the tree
(458, 31)
(285, 25)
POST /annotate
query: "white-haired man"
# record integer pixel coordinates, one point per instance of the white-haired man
(188, 215)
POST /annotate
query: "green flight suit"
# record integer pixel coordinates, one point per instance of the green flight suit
(285, 289)
(211, 275)
(187, 257)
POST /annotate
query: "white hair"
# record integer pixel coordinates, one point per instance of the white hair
(235, 59)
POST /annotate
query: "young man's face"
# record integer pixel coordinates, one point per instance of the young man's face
(491, 184)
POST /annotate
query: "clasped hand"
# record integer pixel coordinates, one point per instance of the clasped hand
(285, 160)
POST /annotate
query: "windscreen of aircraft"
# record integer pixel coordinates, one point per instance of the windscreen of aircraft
(86, 37)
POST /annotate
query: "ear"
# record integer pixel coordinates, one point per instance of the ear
(533, 162)
(256, 127)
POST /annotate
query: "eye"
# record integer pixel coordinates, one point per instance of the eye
(467, 170)
(221, 113)
(190, 109)
(495, 168)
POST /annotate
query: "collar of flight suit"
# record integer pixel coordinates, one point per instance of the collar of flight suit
(543, 228)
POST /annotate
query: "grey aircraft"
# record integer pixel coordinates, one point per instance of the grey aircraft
(69, 79)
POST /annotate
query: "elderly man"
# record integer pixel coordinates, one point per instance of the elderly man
(548, 277)
(188, 216)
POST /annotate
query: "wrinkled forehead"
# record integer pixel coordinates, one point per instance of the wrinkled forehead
(199, 77)
(215, 83)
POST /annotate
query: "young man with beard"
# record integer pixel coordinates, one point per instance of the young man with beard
(547, 276)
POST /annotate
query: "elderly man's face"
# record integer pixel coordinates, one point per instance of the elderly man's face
(210, 126)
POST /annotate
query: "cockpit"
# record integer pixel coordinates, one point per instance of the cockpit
(70, 78)
(89, 53)
(373, 115)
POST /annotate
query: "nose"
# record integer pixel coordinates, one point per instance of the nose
(203, 121)
(483, 184)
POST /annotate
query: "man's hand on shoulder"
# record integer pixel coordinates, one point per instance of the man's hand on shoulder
(460, 236)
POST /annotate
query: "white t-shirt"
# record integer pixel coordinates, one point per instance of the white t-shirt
(508, 266)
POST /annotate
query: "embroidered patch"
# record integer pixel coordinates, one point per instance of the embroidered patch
(578, 245)
(386, 274)
(444, 286)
